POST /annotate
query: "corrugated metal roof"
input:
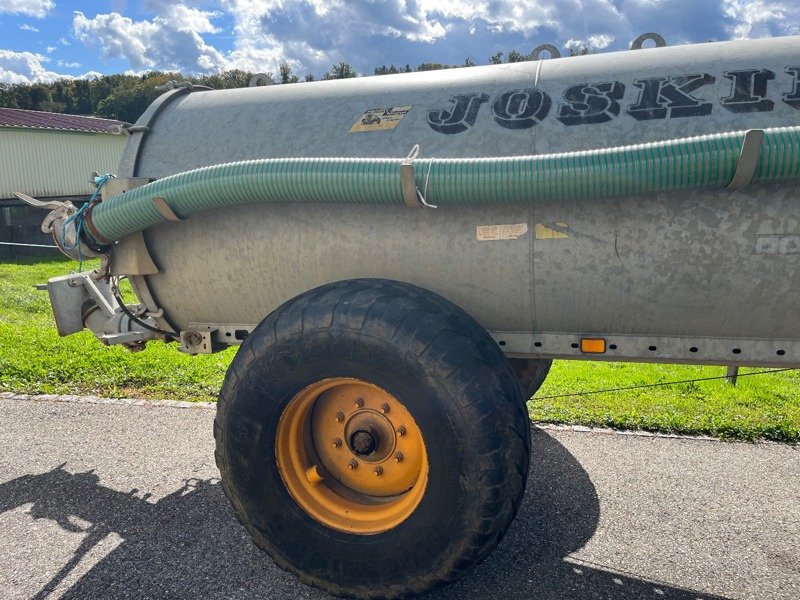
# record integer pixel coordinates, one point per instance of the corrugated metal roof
(34, 119)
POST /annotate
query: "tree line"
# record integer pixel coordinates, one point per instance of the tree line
(125, 97)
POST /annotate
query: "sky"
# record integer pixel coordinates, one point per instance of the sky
(44, 40)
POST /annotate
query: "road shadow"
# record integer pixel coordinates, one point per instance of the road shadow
(188, 544)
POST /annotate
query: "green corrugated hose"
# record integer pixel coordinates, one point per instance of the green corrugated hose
(704, 161)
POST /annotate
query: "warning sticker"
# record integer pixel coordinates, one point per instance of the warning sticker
(556, 232)
(487, 233)
(376, 119)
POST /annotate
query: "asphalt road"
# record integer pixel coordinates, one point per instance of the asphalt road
(121, 501)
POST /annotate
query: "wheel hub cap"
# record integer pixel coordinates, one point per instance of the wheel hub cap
(371, 482)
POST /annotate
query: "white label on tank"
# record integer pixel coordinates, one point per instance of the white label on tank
(376, 119)
(488, 233)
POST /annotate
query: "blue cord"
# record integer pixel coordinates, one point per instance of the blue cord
(80, 218)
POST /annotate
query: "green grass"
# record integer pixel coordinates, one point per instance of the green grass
(760, 406)
(34, 359)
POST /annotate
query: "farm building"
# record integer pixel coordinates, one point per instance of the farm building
(49, 156)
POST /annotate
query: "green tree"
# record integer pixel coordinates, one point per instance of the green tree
(431, 66)
(515, 56)
(341, 71)
(384, 70)
(227, 80)
(581, 50)
(127, 103)
(39, 97)
(286, 74)
(496, 58)
(83, 98)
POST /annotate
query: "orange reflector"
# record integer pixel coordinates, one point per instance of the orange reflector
(593, 345)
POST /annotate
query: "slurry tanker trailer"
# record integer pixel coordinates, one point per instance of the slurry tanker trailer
(399, 259)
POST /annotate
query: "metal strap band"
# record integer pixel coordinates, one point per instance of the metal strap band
(748, 159)
(407, 179)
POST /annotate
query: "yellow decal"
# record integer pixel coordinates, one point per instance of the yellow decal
(376, 119)
(488, 233)
(542, 232)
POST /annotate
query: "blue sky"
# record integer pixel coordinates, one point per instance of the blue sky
(43, 40)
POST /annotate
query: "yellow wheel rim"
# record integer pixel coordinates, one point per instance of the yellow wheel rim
(351, 456)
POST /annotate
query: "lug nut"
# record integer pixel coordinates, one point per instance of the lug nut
(359, 403)
(398, 457)
(337, 443)
(401, 431)
(378, 471)
(385, 408)
(352, 465)
(339, 417)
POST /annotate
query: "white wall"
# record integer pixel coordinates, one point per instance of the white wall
(43, 163)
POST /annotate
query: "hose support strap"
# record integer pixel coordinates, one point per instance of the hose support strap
(748, 159)
(407, 179)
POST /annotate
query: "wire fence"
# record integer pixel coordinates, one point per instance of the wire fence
(28, 245)
(661, 384)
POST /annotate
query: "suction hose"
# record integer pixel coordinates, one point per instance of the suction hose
(704, 161)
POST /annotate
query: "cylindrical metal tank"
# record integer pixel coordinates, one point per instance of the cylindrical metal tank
(696, 275)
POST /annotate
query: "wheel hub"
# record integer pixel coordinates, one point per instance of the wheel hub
(372, 481)
(363, 442)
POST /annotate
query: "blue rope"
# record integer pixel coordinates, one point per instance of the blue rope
(80, 219)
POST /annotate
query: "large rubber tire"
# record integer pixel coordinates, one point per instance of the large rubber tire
(531, 373)
(456, 383)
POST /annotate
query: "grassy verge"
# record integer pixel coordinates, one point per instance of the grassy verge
(761, 406)
(33, 359)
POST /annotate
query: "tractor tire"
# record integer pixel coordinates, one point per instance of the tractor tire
(372, 438)
(531, 373)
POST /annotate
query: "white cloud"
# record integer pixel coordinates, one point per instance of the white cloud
(26, 27)
(179, 16)
(269, 32)
(50, 49)
(318, 33)
(593, 42)
(31, 8)
(68, 65)
(757, 18)
(25, 67)
(166, 42)
(311, 35)
(600, 41)
(528, 18)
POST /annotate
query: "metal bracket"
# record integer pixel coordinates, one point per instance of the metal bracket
(408, 180)
(120, 185)
(129, 256)
(650, 35)
(412, 196)
(194, 341)
(164, 209)
(748, 159)
(537, 52)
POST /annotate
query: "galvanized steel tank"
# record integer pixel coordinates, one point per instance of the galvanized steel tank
(698, 276)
